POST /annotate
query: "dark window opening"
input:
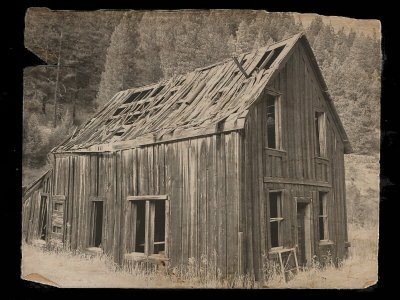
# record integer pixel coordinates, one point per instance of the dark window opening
(274, 234)
(43, 218)
(273, 205)
(57, 229)
(97, 223)
(140, 225)
(320, 134)
(323, 216)
(58, 206)
(159, 230)
(275, 218)
(272, 119)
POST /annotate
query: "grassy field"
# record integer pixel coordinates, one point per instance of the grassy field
(78, 270)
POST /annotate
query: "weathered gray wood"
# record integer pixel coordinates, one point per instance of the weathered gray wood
(185, 208)
(296, 181)
(148, 212)
(202, 197)
(222, 152)
(193, 176)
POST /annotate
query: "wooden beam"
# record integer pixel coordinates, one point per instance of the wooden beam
(97, 198)
(296, 181)
(147, 197)
(240, 67)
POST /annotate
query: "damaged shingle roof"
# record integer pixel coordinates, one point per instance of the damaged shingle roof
(208, 100)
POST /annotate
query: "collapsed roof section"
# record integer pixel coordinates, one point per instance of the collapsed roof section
(208, 100)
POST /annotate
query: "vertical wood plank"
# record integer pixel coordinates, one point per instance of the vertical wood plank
(202, 197)
(193, 175)
(185, 209)
(212, 233)
(221, 199)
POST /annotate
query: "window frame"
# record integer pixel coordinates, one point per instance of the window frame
(150, 224)
(324, 216)
(56, 226)
(279, 219)
(320, 124)
(278, 119)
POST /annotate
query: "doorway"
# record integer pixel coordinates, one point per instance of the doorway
(43, 217)
(97, 224)
(303, 232)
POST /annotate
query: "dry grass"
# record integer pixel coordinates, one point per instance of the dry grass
(69, 269)
(358, 271)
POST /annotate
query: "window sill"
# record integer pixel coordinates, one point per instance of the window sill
(274, 149)
(326, 243)
(94, 250)
(280, 249)
(141, 257)
(321, 158)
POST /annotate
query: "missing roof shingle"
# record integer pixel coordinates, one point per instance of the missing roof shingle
(269, 57)
(131, 98)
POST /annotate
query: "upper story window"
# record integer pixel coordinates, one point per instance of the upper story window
(273, 122)
(320, 134)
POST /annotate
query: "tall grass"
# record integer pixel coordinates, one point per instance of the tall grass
(358, 270)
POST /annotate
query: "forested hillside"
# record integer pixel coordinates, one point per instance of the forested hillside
(103, 52)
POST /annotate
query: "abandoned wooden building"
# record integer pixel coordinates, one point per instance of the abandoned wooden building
(243, 159)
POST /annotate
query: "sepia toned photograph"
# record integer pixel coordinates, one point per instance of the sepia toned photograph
(201, 149)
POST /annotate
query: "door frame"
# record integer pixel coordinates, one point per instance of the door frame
(308, 225)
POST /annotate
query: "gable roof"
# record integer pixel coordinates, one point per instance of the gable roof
(208, 100)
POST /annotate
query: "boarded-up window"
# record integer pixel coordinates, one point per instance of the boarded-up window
(320, 134)
(275, 218)
(96, 226)
(273, 122)
(323, 216)
(147, 225)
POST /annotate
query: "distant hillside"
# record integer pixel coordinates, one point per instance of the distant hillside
(362, 189)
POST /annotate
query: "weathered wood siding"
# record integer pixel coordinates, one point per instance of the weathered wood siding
(200, 177)
(31, 207)
(294, 168)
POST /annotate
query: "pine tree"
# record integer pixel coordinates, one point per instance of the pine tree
(119, 72)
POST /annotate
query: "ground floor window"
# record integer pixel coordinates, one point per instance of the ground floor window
(275, 218)
(147, 225)
(323, 216)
